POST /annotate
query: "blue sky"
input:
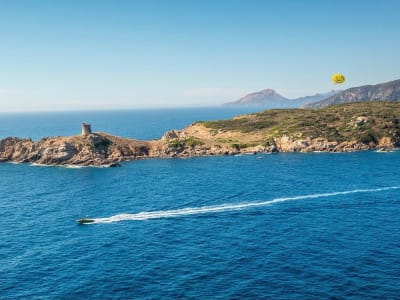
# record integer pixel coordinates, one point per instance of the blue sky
(83, 54)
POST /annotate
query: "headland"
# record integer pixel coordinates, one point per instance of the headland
(337, 128)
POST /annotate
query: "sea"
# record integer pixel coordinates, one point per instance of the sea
(282, 226)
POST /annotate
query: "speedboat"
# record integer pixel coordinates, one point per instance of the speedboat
(85, 220)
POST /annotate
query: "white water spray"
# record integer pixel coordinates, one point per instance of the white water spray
(225, 207)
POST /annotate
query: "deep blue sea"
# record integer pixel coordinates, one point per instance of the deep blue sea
(284, 226)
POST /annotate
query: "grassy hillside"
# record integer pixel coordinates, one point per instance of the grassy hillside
(364, 122)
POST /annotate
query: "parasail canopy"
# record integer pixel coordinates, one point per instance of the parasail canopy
(338, 78)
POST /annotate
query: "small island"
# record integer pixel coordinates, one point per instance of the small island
(337, 128)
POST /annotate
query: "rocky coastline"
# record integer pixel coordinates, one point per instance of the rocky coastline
(105, 150)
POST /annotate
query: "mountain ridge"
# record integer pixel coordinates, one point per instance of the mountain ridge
(387, 91)
(271, 99)
(259, 98)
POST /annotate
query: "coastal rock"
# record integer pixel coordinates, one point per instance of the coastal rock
(288, 144)
(106, 150)
(97, 149)
(169, 135)
(386, 143)
(350, 147)
(15, 149)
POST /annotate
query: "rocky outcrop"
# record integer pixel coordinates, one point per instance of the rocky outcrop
(100, 149)
(286, 144)
(97, 149)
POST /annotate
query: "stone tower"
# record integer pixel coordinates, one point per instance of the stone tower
(86, 129)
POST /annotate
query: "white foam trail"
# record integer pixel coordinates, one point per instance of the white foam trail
(73, 167)
(60, 166)
(38, 165)
(225, 207)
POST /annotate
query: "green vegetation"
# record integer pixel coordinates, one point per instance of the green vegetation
(335, 123)
(239, 146)
(220, 140)
(189, 142)
(97, 143)
(103, 143)
(175, 143)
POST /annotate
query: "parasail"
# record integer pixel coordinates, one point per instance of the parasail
(338, 78)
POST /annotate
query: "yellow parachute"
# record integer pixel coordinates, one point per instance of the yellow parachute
(338, 78)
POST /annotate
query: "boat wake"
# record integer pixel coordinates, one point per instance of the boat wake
(225, 207)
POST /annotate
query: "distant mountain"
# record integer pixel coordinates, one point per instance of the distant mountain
(315, 98)
(271, 99)
(388, 91)
(265, 97)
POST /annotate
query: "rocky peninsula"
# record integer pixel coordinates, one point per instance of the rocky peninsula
(338, 128)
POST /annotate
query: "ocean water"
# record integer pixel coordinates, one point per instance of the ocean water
(284, 226)
(138, 124)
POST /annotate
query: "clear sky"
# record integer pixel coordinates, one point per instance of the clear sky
(94, 54)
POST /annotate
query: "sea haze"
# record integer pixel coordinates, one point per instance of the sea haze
(284, 226)
(137, 124)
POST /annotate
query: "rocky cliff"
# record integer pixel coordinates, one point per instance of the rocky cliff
(97, 149)
(341, 128)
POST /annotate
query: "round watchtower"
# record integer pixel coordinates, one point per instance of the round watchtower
(86, 129)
